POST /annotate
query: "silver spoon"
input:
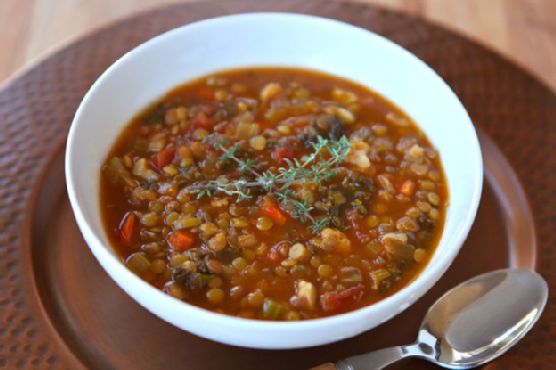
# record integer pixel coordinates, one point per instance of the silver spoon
(470, 325)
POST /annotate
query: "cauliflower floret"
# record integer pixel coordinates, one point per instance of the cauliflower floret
(305, 294)
(358, 155)
(333, 241)
(298, 252)
(141, 169)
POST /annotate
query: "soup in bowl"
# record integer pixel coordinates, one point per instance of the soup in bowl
(296, 188)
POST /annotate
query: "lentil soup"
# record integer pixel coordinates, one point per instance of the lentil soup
(275, 194)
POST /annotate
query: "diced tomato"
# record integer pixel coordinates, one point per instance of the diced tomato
(354, 219)
(271, 209)
(279, 154)
(343, 299)
(357, 226)
(201, 121)
(221, 127)
(274, 255)
(128, 228)
(408, 188)
(181, 240)
(205, 92)
(164, 157)
(362, 237)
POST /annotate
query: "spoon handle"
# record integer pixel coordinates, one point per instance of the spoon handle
(375, 360)
(370, 361)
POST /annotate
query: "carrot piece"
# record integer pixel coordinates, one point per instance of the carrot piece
(335, 301)
(205, 93)
(271, 209)
(128, 228)
(408, 188)
(181, 240)
(164, 157)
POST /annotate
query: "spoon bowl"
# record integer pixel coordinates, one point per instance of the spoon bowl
(482, 318)
(470, 325)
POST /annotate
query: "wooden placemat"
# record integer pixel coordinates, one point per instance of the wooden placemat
(36, 109)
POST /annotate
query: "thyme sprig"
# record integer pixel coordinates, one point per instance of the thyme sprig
(319, 166)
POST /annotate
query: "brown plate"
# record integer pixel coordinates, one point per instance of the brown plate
(59, 310)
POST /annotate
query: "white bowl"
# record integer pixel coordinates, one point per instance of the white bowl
(271, 39)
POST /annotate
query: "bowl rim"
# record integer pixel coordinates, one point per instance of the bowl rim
(110, 262)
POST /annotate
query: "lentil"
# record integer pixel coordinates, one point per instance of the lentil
(215, 296)
(351, 226)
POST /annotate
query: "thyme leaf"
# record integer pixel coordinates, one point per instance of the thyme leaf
(320, 166)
